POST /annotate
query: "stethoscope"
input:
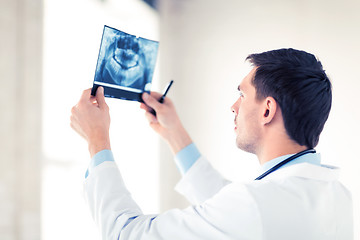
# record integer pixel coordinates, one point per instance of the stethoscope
(280, 164)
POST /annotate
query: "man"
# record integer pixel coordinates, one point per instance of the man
(282, 107)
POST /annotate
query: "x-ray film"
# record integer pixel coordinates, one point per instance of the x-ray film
(125, 65)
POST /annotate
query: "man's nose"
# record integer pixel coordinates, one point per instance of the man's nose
(234, 108)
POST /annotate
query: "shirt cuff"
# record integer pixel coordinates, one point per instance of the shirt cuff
(186, 157)
(98, 158)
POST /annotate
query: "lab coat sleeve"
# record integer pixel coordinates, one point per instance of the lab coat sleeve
(201, 182)
(119, 217)
(110, 203)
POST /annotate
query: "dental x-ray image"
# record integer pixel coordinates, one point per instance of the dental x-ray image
(125, 65)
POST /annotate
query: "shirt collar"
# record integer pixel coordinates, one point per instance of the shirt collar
(307, 166)
(312, 158)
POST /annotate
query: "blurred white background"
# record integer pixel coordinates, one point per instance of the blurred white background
(48, 53)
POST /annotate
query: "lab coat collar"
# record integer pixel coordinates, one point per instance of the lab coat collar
(307, 170)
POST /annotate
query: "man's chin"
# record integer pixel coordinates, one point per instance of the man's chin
(246, 147)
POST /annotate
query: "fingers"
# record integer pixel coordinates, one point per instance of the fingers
(75, 126)
(151, 101)
(150, 117)
(156, 95)
(145, 107)
(74, 122)
(90, 117)
(100, 97)
(86, 94)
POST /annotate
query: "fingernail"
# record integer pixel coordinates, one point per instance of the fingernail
(145, 96)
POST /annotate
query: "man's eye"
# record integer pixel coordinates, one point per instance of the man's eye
(241, 94)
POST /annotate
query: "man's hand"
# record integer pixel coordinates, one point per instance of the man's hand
(166, 122)
(90, 119)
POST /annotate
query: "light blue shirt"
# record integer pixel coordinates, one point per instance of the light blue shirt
(186, 157)
(98, 158)
(312, 158)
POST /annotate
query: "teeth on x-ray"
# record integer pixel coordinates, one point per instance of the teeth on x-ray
(128, 42)
(125, 65)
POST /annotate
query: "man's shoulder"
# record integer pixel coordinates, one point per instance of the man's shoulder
(293, 183)
(306, 171)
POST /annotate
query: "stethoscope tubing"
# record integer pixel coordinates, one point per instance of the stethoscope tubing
(282, 163)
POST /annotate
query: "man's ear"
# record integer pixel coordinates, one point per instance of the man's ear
(270, 107)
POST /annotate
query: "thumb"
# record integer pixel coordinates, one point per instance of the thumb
(100, 99)
(151, 101)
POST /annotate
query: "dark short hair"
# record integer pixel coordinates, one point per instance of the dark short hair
(298, 83)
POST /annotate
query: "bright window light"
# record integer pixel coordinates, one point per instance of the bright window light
(72, 35)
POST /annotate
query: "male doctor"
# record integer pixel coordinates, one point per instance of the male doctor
(282, 107)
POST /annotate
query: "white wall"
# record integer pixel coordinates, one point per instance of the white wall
(204, 44)
(20, 121)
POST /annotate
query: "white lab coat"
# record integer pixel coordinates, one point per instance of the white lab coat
(302, 201)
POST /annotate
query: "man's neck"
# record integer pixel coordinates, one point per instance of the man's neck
(277, 150)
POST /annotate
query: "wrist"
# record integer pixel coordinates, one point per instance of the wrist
(178, 139)
(98, 145)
